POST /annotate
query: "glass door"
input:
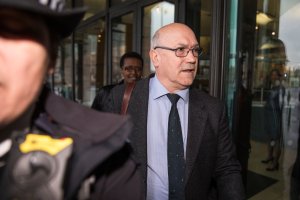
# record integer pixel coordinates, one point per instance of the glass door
(122, 42)
(199, 17)
(89, 61)
(275, 90)
(63, 72)
(265, 95)
(154, 16)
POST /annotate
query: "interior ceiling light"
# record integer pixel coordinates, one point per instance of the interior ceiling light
(263, 18)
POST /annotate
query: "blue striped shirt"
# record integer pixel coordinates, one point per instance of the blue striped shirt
(159, 107)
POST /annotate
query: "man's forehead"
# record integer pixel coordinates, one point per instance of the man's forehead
(180, 40)
(176, 35)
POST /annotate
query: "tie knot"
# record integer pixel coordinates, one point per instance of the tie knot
(173, 98)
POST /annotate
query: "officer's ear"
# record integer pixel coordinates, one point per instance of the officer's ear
(155, 58)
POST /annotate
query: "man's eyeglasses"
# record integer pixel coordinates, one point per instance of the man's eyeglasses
(183, 52)
(132, 69)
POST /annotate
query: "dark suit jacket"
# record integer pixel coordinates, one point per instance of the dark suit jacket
(103, 98)
(212, 170)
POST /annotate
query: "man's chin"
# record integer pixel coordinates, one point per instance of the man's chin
(187, 83)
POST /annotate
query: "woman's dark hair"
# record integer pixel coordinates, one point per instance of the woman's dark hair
(131, 55)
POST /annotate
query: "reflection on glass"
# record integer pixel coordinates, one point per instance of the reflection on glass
(275, 92)
(63, 72)
(89, 59)
(122, 28)
(199, 17)
(155, 16)
(230, 80)
(266, 96)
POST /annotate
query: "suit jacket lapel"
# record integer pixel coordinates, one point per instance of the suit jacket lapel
(197, 120)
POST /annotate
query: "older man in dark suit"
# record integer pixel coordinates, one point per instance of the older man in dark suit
(184, 147)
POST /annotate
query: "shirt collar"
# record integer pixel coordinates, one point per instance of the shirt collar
(157, 90)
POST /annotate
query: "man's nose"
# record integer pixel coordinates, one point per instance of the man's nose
(190, 57)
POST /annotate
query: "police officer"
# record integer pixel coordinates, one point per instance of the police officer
(52, 148)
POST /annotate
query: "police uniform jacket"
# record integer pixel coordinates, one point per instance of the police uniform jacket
(70, 152)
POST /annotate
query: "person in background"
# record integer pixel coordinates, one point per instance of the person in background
(181, 136)
(131, 64)
(273, 120)
(295, 176)
(50, 147)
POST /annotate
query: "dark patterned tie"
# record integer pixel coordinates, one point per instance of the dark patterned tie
(176, 163)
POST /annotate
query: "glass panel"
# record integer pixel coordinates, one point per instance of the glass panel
(270, 52)
(93, 6)
(198, 15)
(236, 81)
(62, 80)
(230, 71)
(155, 16)
(122, 28)
(276, 87)
(63, 73)
(89, 59)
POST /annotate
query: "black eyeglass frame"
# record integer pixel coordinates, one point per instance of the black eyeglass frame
(200, 50)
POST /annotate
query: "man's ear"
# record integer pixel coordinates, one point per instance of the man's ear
(154, 57)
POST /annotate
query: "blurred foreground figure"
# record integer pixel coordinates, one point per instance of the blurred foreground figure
(52, 148)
